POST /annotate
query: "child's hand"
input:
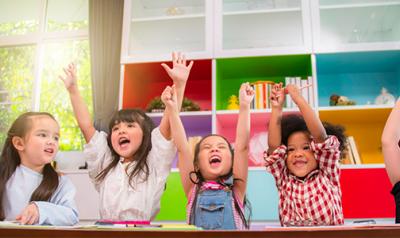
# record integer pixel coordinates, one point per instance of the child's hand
(168, 97)
(179, 72)
(293, 91)
(277, 96)
(69, 79)
(29, 216)
(246, 94)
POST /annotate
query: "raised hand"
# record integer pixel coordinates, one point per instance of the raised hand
(277, 96)
(293, 91)
(168, 97)
(246, 94)
(180, 71)
(69, 79)
(29, 216)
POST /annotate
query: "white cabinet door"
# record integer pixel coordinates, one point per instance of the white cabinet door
(262, 27)
(152, 29)
(343, 25)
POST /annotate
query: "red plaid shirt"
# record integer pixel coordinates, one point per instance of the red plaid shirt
(316, 200)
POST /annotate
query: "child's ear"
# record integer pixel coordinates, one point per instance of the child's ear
(18, 143)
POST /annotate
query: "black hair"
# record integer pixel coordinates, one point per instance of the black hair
(295, 123)
(140, 156)
(10, 160)
(199, 179)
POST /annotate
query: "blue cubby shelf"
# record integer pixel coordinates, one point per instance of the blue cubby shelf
(358, 75)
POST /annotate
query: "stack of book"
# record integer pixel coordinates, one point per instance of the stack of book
(262, 90)
(306, 92)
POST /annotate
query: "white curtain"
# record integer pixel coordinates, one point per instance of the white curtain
(105, 32)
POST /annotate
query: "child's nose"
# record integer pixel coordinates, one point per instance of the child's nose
(298, 153)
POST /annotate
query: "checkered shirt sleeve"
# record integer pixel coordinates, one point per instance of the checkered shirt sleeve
(275, 163)
(327, 154)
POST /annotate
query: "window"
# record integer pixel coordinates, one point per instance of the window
(37, 39)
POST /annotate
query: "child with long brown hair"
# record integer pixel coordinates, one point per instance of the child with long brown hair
(129, 166)
(32, 192)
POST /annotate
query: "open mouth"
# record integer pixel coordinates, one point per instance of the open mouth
(300, 163)
(123, 141)
(49, 150)
(215, 161)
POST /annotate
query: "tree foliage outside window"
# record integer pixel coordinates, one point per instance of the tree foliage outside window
(54, 97)
(17, 73)
(16, 82)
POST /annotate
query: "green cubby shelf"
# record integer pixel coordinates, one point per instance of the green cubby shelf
(231, 72)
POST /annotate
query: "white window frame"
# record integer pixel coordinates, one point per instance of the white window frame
(40, 39)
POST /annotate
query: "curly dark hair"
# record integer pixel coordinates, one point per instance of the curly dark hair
(295, 123)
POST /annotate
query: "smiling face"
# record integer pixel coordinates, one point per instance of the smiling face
(214, 158)
(126, 138)
(39, 145)
(300, 159)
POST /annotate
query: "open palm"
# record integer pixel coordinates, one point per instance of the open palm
(180, 71)
(69, 78)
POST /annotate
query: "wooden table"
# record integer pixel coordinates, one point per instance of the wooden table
(342, 232)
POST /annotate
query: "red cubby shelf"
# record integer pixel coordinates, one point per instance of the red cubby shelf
(145, 81)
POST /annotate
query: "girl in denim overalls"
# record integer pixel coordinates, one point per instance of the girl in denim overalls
(215, 181)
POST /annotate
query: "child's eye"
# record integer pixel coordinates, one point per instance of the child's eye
(42, 135)
(290, 150)
(221, 147)
(56, 138)
(115, 128)
(131, 125)
(307, 147)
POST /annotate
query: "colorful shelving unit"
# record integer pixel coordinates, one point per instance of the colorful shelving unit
(235, 41)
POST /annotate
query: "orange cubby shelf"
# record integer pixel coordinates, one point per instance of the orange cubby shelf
(366, 126)
(145, 81)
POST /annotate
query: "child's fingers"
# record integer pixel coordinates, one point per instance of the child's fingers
(179, 61)
(166, 67)
(190, 65)
(32, 220)
(184, 59)
(174, 58)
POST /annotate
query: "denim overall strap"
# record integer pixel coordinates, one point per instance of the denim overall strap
(213, 209)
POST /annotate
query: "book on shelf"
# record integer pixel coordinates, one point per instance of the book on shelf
(306, 92)
(262, 91)
(354, 150)
(347, 156)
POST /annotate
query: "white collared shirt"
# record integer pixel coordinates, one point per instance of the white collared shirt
(118, 200)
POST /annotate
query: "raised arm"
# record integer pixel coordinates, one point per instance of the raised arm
(274, 128)
(179, 75)
(313, 122)
(390, 144)
(81, 111)
(169, 98)
(240, 164)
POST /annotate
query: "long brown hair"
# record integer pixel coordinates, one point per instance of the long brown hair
(140, 156)
(199, 179)
(10, 160)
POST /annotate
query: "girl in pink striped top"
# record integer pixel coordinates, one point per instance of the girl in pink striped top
(215, 180)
